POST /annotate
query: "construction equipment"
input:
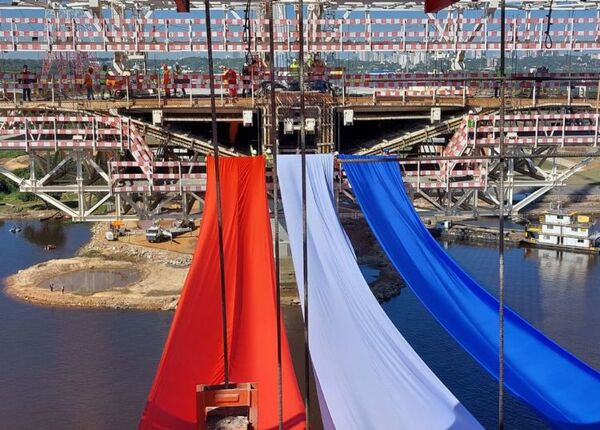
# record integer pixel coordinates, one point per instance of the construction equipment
(115, 229)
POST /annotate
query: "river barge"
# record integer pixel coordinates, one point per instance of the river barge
(559, 229)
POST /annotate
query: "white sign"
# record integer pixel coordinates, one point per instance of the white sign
(156, 117)
(247, 118)
(348, 117)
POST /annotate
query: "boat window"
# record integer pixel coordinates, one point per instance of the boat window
(579, 240)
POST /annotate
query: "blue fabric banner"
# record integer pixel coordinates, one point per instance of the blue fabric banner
(368, 376)
(559, 386)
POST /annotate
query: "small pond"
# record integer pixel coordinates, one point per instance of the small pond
(92, 281)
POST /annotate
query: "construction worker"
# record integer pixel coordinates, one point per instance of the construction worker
(137, 80)
(102, 77)
(295, 75)
(497, 82)
(166, 80)
(317, 71)
(26, 81)
(230, 80)
(179, 79)
(88, 83)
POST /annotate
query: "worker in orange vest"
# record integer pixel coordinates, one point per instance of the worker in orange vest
(88, 83)
(230, 79)
(167, 80)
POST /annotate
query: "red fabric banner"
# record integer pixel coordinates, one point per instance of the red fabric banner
(432, 6)
(193, 353)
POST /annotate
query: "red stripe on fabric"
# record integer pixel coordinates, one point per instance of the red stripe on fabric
(436, 5)
(193, 352)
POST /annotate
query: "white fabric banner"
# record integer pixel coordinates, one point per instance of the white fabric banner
(368, 375)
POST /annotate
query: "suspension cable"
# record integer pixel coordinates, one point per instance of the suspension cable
(213, 112)
(307, 365)
(501, 218)
(275, 151)
(247, 37)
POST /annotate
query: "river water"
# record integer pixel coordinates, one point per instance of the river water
(92, 369)
(65, 368)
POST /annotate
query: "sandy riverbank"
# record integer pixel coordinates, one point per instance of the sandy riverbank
(151, 292)
(163, 269)
(162, 274)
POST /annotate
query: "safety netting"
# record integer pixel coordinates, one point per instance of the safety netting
(563, 389)
(193, 353)
(368, 376)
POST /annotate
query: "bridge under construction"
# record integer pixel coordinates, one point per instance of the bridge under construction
(142, 155)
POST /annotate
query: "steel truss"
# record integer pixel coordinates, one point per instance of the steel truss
(94, 167)
(534, 142)
(350, 31)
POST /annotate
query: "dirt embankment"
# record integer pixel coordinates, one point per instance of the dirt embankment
(162, 275)
(368, 252)
(156, 289)
(163, 269)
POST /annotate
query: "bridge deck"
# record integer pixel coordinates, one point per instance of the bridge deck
(229, 110)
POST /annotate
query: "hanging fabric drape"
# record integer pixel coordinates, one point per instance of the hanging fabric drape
(562, 388)
(193, 352)
(368, 376)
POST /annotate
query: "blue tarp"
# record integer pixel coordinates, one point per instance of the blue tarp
(557, 384)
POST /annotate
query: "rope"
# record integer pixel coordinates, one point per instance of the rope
(548, 39)
(304, 228)
(275, 152)
(213, 111)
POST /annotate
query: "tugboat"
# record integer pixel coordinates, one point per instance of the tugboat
(560, 229)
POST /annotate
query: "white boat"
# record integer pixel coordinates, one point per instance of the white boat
(565, 230)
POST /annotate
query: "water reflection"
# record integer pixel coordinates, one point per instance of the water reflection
(44, 233)
(71, 368)
(563, 265)
(558, 292)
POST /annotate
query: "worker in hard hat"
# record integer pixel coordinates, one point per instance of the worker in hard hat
(102, 76)
(166, 80)
(294, 75)
(88, 83)
(230, 81)
(317, 73)
(179, 79)
(25, 80)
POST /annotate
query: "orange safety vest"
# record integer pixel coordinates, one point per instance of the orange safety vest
(87, 80)
(230, 76)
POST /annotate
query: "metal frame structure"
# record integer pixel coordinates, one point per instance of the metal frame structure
(397, 32)
(103, 165)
